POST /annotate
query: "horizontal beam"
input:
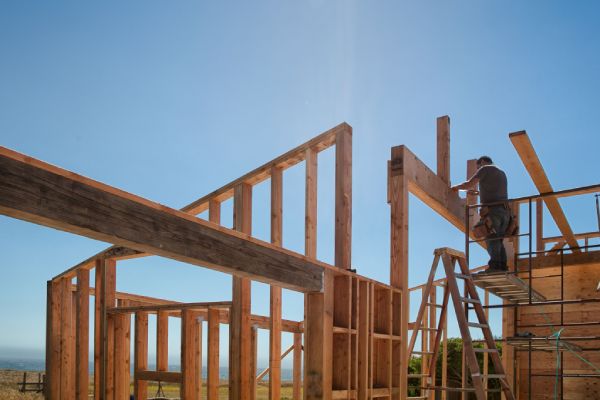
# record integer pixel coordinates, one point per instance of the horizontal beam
(532, 164)
(158, 376)
(37, 192)
(586, 235)
(170, 307)
(428, 187)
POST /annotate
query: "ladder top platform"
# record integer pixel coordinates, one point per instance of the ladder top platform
(507, 286)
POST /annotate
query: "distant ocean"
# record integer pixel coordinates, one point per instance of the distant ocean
(39, 365)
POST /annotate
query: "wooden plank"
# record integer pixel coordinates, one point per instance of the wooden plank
(98, 324)
(162, 341)
(443, 148)
(67, 343)
(156, 376)
(240, 357)
(472, 198)
(532, 164)
(53, 318)
(82, 335)
(343, 199)
(214, 212)
(122, 352)
(198, 355)
(310, 214)
(399, 188)
(363, 341)
(212, 384)
(140, 387)
(37, 192)
(297, 367)
(172, 307)
(275, 291)
(189, 375)
(581, 258)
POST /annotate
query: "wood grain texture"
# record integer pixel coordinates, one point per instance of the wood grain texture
(275, 291)
(140, 387)
(189, 375)
(212, 384)
(343, 199)
(53, 319)
(443, 148)
(35, 192)
(122, 362)
(162, 341)
(82, 335)
(67, 343)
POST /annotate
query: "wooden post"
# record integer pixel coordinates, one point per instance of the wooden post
(103, 329)
(140, 387)
(189, 375)
(198, 358)
(445, 355)
(472, 198)
(82, 334)
(254, 354)
(431, 333)
(443, 148)
(67, 343)
(214, 211)
(240, 380)
(162, 341)
(275, 301)
(53, 318)
(398, 187)
(297, 366)
(486, 300)
(212, 384)
(122, 362)
(343, 199)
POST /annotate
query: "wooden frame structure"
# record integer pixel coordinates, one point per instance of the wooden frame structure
(352, 343)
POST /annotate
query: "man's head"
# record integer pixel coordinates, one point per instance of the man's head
(484, 160)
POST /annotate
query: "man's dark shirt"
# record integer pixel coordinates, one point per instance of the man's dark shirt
(492, 184)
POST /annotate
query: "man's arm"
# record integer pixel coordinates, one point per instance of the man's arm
(471, 184)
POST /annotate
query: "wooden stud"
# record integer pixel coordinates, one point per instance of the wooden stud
(198, 357)
(310, 214)
(162, 341)
(214, 212)
(275, 291)
(53, 322)
(122, 362)
(140, 388)
(212, 384)
(82, 334)
(472, 198)
(189, 375)
(443, 148)
(297, 367)
(343, 199)
(254, 357)
(67, 343)
(240, 358)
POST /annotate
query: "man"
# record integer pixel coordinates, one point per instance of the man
(493, 195)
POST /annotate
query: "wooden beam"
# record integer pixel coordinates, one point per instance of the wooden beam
(140, 387)
(198, 355)
(82, 334)
(240, 357)
(275, 291)
(162, 341)
(297, 367)
(443, 149)
(569, 259)
(343, 199)
(534, 167)
(40, 193)
(156, 376)
(399, 189)
(428, 187)
(189, 375)
(53, 318)
(212, 383)
(67, 343)
(122, 362)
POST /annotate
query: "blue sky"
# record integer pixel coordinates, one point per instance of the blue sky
(172, 100)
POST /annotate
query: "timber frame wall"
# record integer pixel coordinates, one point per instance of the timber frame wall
(353, 336)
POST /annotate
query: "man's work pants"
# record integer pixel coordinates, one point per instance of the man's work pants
(499, 218)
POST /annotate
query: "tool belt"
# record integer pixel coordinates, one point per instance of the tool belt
(484, 228)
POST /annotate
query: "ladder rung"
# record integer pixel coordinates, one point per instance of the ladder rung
(477, 325)
(434, 304)
(480, 350)
(469, 300)
(463, 276)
